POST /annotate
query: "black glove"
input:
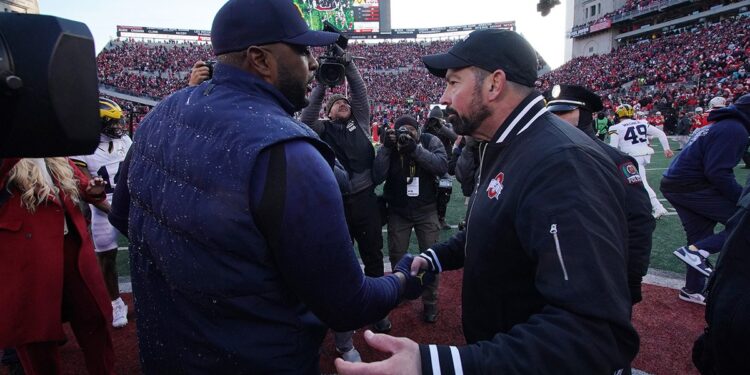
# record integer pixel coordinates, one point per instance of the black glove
(406, 145)
(635, 290)
(414, 285)
(388, 138)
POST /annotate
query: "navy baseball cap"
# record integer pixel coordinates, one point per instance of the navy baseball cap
(489, 49)
(243, 23)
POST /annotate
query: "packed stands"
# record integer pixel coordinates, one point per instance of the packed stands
(686, 68)
(675, 72)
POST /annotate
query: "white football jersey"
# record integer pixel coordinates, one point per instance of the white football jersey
(105, 162)
(631, 137)
(106, 159)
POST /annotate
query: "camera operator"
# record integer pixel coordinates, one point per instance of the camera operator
(411, 163)
(442, 129)
(345, 129)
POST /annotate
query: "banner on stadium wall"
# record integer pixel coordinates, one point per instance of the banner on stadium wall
(602, 24)
(579, 32)
(154, 31)
(205, 35)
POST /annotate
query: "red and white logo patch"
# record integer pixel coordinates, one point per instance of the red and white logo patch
(495, 186)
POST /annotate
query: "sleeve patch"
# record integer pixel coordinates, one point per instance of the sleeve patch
(630, 172)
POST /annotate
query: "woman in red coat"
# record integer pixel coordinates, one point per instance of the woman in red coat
(49, 271)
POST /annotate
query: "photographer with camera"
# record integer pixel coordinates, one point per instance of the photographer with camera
(345, 129)
(411, 163)
(439, 127)
(201, 71)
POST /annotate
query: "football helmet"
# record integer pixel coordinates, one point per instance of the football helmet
(717, 102)
(625, 110)
(111, 116)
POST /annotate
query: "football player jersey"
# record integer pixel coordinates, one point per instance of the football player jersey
(631, 137)
(106, 159)
(105, 163)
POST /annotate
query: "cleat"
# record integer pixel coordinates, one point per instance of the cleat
(119, 314)
(688, 296)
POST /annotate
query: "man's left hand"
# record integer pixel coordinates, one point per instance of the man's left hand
(668, 153)
(404, 359)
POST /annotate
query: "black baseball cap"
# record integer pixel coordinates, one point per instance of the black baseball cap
(243, 23)
(564, 98)
(489, 49)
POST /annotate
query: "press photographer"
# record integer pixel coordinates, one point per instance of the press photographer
(345, 129)
(410, 163)
(439, 127)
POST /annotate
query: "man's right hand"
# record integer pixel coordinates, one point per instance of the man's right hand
(415, 282)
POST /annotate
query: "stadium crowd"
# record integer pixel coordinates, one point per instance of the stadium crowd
(307, 163)
(673, 73)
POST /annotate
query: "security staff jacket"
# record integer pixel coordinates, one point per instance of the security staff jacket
(543, 254)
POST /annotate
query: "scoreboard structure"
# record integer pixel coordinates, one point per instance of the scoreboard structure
(366, 16)
(357, 19)
(349, 16)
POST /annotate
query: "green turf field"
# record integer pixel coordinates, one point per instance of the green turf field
(667, 237)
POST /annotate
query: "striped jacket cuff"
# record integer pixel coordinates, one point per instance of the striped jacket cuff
(440, 360)
(433, 260)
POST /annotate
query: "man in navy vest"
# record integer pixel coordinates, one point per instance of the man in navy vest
(240, 254)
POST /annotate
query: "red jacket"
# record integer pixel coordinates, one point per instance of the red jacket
(31, 265)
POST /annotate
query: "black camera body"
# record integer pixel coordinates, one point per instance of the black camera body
(332, 69)
(49, 91)
(210, 65)
(403, 135)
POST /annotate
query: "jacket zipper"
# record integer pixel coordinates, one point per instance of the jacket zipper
(553, 231)
(476, 189)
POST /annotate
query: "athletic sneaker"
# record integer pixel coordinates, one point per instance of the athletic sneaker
(659, 212)
(689, 296)
(350, 356)
(119, 313)
(696, 259)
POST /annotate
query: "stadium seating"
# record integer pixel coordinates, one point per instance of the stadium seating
(681, 70)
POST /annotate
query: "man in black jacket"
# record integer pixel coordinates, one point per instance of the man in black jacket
(576, 104)
(410, 163)
(543, 254)
(345, 129)
(442, 129)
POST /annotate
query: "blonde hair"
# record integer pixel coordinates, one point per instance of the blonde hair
(33, 187)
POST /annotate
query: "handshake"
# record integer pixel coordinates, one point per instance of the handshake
(416, 278)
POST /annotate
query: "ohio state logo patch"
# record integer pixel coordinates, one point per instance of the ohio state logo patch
(495, 186)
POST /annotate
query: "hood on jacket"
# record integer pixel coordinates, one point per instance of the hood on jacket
(739, 110)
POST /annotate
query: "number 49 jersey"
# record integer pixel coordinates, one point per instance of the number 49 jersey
(106, 159)
(631, 137)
